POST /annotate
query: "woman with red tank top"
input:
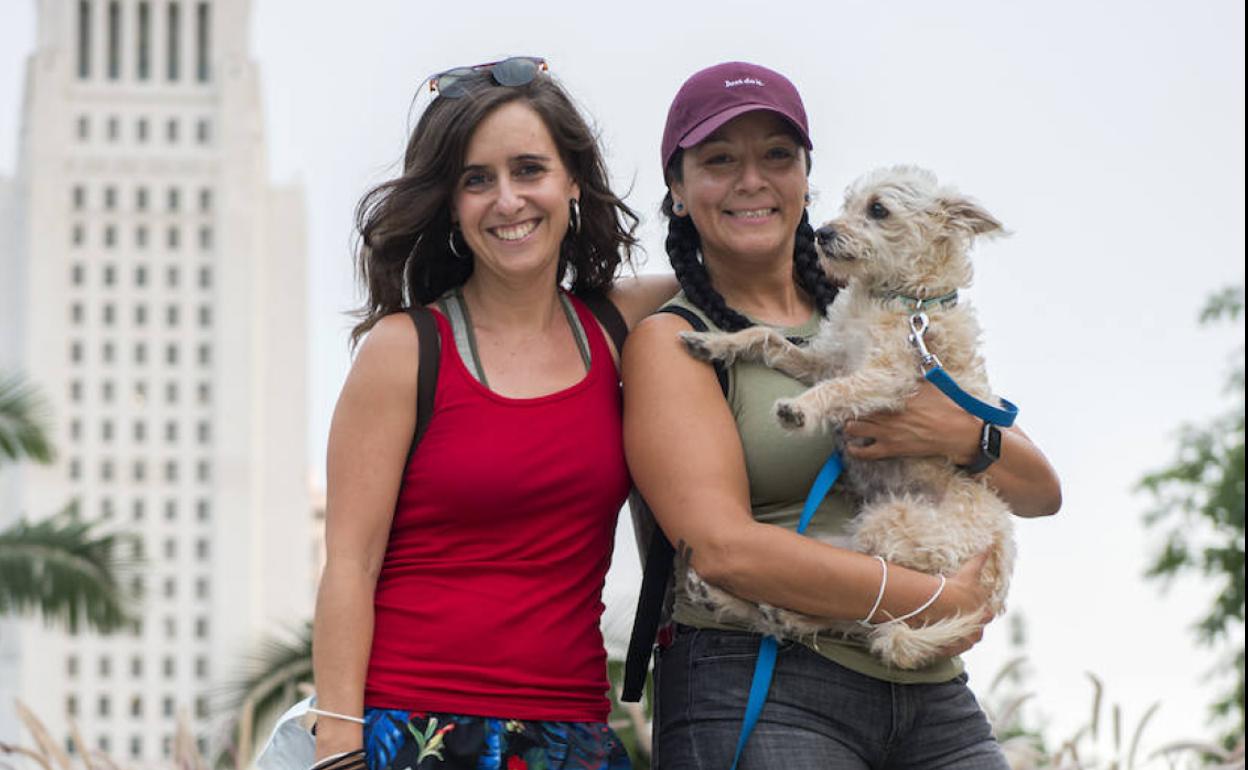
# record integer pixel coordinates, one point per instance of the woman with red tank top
(457, 622)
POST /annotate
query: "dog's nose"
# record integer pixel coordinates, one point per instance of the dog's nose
(825, 235)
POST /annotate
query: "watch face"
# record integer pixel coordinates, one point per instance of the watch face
(991, 443)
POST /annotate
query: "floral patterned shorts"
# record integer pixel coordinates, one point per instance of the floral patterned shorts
(399, 740)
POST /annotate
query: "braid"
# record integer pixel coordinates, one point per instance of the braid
(806, 270)
(682, 251)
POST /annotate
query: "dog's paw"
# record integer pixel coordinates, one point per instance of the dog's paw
(790, 415)
(698, 344)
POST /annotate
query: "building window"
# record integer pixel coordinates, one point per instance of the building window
(136, 667)
(114, 40)
(144, 41)
(205, 238)
(140, 276)
(106, 470)
(110, 275)
(140, 198)
(205, 316)
(171, 354)
(171, 277)
(140, 315)
(140, 431)
(173, 50)
(171, 315)
(171, 432)
(201, 707)
(79, 197)
(75, 469)
(202, 132)
(140, 353)
(138, 509)
(75, 313)
(202, 510)
(171, 588)
(171, 471)
(84, 127)
(166, 704)
(110, 236)
(171, 239)
(201, 591)
(114, 128)
(203, 471)
(76, 274)
(106, 508)
(171, 392)
(171, 131)
(106, 391)
(201, 549)
(107, 352)
(205, 199)
(140, 130)
(110, 198)
(106, 667)
(106, 431)
(75, 390)
(77, 235)
(202, 39)
(204, 393)
(136, 741)
(102, 710)
(75, 352)
(201, 667)
(174, 198)
(201, 628)
(205, 277)
(71, 705)
(75, 429)
(168, 669)
(71, 666)
(204, 432)
(171, 510)
(139, 471)
(108, 314)
(140, 237)
(205, 355)
(84, 39)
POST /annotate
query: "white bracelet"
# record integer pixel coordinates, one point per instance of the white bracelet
(336, 715)
(939, 589)
(879, 599)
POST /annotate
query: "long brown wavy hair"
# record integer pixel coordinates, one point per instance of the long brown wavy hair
(403, 258)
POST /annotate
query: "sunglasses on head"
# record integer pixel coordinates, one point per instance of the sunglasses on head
(516, 71)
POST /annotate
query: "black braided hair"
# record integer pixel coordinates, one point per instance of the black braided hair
(683, 244)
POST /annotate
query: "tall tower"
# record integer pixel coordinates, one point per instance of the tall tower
(152, 285)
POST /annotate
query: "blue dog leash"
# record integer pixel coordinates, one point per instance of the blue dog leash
(934, 373)
(767, 649)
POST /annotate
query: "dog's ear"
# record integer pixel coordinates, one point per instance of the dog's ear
(967, 215)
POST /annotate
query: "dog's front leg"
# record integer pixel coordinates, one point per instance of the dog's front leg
(867, 390)
(757, 343)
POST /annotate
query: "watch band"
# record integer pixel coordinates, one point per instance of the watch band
(989, 450)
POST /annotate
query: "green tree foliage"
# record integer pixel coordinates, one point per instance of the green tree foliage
(61, 568)
(1199, 500)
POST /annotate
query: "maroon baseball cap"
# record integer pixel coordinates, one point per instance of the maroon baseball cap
(713, 96)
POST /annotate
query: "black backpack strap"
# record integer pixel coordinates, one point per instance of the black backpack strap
(427, 377)
(608, 315)
(657, 572)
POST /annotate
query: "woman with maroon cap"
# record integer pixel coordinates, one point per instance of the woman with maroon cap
(726, 482)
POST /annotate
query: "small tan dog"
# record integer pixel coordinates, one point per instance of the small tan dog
(901, 238)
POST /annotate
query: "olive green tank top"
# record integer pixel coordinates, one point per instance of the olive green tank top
(781, 466)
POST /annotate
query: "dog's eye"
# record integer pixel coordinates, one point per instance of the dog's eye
(877, 211)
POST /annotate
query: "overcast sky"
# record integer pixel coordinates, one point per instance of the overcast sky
(1109, 137)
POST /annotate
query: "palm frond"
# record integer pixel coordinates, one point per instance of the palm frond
(23, 422)
(271, 678)
(64, 571)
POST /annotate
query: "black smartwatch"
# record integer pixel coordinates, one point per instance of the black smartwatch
(989, 450)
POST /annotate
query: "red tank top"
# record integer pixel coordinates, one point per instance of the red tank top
(490, 596)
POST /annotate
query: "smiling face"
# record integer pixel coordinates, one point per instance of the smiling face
(745, 188)
(511, 201)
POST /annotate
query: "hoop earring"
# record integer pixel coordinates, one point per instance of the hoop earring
(450, 240)
(574, 216)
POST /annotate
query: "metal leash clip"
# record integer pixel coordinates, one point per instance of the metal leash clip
(918, 327)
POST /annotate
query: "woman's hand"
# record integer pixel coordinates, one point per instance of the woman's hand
(930, 425)
(964, 594)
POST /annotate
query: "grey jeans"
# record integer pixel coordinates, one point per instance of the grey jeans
(819, 715)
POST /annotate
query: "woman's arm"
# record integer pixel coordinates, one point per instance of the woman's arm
(368, 442)
(933, 425)
(641, 295)
(686, 459)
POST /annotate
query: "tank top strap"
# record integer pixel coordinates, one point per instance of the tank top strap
(599, 350)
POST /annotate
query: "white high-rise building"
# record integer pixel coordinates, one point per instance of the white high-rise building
(152, 285)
